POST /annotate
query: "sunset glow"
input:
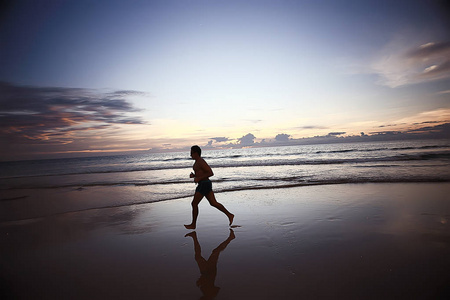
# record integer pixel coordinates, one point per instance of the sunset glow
(118, 76)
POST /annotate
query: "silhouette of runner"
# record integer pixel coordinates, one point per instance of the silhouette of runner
(202, 172)
(208, 268)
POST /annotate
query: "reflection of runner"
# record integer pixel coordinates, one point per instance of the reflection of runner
(204, 189)
(208, 268)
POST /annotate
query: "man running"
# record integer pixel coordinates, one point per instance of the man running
(202, 172)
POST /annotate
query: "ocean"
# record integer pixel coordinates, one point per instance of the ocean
(109, 181)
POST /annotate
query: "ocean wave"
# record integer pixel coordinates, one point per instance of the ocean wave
(385, 149)
(444, 155)
(251, 182)
(226, 156)
(333, 181)
(174, 159)
(306, 151)
(423, 156)
(80, 185)
(108, 171)
(338, 151)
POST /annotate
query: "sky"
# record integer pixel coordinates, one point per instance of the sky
(82, 77)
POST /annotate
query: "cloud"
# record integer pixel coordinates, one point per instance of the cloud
(247, 140)
(427, 122)
(443, 129)
(390, 125)
(311, 127)
(335, 133)
(220, 139)
(428, 50)
(282, 137)
(399, 64)
(55, 114)
(419, 131)
(436, 71)
(123, 93)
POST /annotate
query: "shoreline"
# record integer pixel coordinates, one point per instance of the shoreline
(8, 205)
(376, 240)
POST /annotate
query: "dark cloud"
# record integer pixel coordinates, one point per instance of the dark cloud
(427, 122)
(386, 133)
(439, 131)
(127, 93)
(45, 113)
(247, 140)
(428, 132)
(442, 128)
(336, 133)
(282, 137)
(389, 125)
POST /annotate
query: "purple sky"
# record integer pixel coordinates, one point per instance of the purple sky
(82, 77)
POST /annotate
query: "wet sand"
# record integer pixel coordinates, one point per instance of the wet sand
(361, 241)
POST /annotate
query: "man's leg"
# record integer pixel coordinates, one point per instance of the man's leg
(198, 252)
(215, 253)
(197, 198)
(212, 200)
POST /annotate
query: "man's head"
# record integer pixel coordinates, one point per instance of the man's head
(196, 150)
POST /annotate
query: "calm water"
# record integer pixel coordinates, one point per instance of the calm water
(165, 176)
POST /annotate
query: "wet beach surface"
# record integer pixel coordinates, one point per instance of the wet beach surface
(348, 241)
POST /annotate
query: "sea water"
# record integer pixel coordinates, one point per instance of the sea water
(165, 176)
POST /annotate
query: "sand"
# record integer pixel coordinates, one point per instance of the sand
(350, 241)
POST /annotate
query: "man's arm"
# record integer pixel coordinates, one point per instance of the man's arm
(205, 173)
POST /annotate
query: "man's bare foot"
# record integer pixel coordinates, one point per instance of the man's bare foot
(190, 226)
(231, 217)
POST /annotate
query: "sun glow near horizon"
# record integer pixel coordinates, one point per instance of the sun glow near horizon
(221, 74)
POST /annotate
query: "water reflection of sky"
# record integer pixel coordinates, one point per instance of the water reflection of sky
(391, 239)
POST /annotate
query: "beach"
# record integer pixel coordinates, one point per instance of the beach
(318, 131)
(341, 241)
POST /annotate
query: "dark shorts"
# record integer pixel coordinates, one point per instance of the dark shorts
(204, 187)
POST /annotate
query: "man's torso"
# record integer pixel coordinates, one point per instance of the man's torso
(199, 172)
